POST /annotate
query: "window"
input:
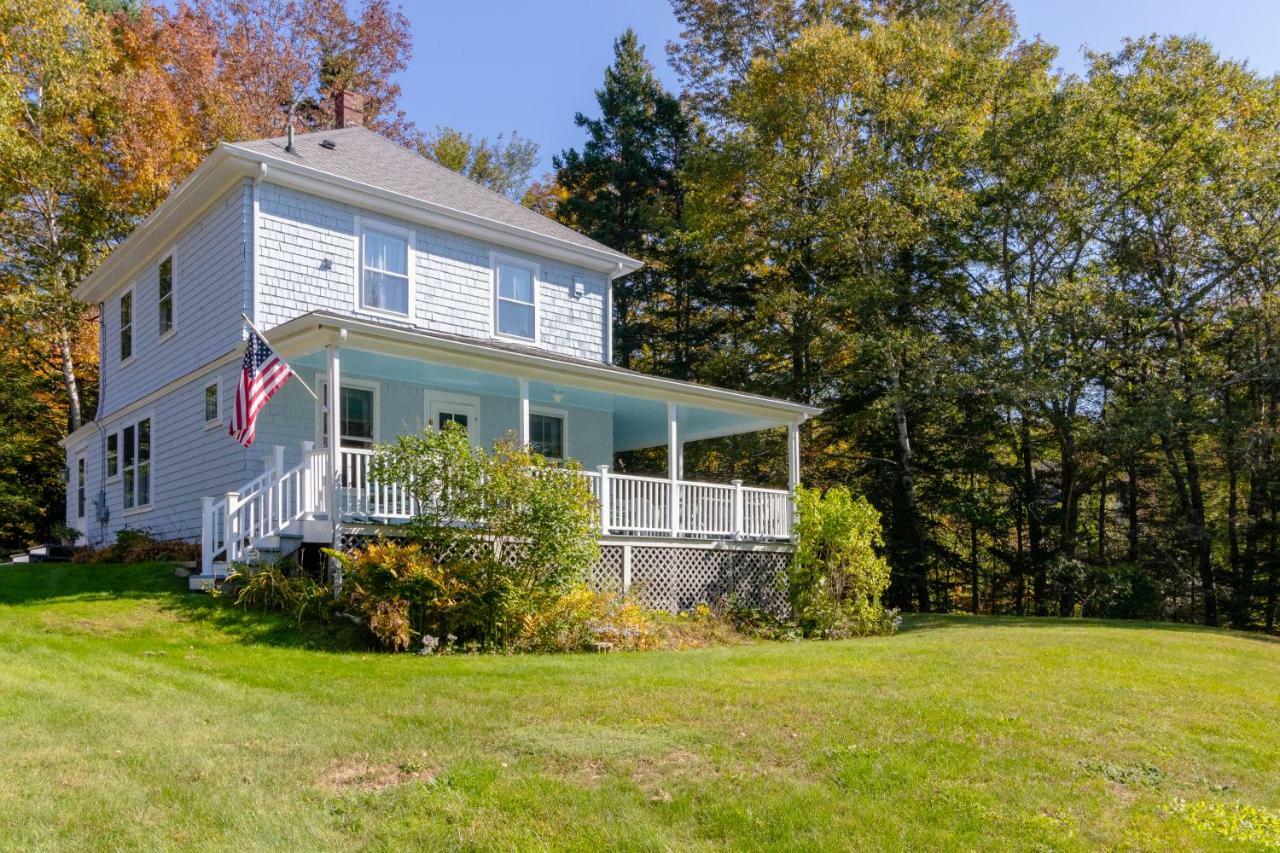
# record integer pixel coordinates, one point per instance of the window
(113, 456)
(137, 464)
(126, 326)
(384, 278)
(356, 412)
(80, 487)
(445, 408)
(546, 434)
(211, 404)
(166, 295)
(516, 309)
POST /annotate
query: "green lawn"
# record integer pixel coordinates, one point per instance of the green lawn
(134, 714)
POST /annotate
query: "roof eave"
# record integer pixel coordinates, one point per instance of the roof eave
(200, 189)
(317, 327)
(305, 178)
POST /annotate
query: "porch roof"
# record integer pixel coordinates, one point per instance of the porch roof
(637, 400)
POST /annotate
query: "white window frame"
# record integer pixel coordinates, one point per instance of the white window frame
(106, 456)
(437, 399)
(322, 388)
(151, 462)
(363, 224)
(131, 292)
(82, 485)
(172, 257)
(563, 415)
(217, 420)
(496, 259)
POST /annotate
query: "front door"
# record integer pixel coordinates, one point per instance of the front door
(454, 408)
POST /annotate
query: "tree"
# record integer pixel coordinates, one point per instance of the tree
(624, 188)
(504, 165)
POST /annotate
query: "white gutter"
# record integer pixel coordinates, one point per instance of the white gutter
(535, 366)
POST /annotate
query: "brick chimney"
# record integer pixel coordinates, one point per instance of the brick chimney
(348, 109)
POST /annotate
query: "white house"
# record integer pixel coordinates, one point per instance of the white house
(417, 297)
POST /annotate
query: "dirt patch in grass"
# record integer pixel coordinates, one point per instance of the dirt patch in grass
(366, 777)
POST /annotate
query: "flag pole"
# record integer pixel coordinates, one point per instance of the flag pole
(294, 373)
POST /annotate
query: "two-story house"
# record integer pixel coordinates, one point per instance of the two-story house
(406, 296)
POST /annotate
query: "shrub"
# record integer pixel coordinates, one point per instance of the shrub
(138, 546)
(837, 578)
(514, 530)
(399, 591)
(583, 619)
(272, 587)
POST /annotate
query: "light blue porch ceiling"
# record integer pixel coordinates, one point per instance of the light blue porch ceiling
(638, 422)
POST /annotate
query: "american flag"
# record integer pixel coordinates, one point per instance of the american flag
(263, 374)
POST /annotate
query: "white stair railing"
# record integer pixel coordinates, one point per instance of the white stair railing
(265, 506)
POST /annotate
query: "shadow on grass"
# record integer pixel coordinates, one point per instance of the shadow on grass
(915, 622)
(53, 583)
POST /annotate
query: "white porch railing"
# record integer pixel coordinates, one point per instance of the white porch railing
(629, 505)
(268, 505)
(265, 506)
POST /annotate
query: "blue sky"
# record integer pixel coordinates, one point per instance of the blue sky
(490, 66)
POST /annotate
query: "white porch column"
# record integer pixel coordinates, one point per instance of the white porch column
(524, 412)
(332, 416)
(793, 456)
(793, 473)
(673, 468)
(605, 489)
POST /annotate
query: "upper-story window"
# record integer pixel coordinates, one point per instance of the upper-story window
(126, 325)
(515, 305)
(165, 301)
(384, 270)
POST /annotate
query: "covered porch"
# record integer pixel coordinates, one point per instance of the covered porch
(393, 382)
(565, 408)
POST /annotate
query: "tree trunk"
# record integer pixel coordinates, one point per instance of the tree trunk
(907, 519)
(74, 416)
(1131, 510)
(1035, 532)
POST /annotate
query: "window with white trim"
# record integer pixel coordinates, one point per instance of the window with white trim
(80, 487)
(126, 325)
(165, 297)
(515, 303)
(357, 406)
(136, 463)
(384, 270)
(113, 455)
(546, 433)
(211, 404)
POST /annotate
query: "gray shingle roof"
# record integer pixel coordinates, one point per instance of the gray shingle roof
(362, 155)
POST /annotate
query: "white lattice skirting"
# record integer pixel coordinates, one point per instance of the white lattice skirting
(676, 575)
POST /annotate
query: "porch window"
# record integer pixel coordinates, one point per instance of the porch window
(113, 455)
(546, 434)
(356, 408)
(166, 296)
(80, 487)
(137, 464)
(385, 272)
(126, 326)
(516, 305)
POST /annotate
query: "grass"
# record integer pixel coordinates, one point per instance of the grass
(134, 714)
